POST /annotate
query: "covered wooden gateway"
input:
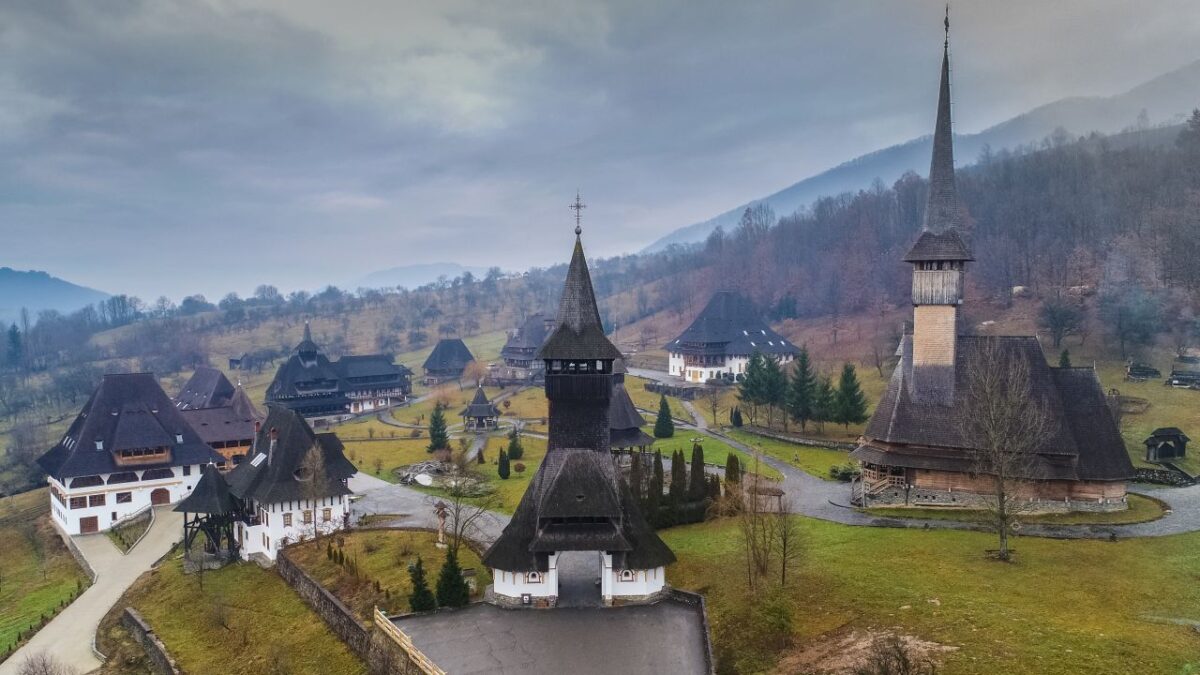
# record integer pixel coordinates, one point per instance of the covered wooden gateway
(210, 510)
(1165, 444)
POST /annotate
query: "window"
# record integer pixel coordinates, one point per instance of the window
(326, 515)
(96, 500)
(124, 497)
(79, 502)
(187, 469)
(533, 578)
(307, 517)
(626, 575)
(287, 520)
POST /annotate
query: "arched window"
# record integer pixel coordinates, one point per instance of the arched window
(626, 575)
(533, 578)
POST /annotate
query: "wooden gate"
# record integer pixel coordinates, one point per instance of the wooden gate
(160, 496)
(89, 525)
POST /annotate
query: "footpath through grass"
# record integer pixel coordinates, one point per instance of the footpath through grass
(382, 556)
(811, 459)
(1063, 607)
(39, 575)
(243, 621)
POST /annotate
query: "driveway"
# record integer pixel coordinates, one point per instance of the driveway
(69, 635)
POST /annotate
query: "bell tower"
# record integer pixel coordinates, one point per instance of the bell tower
(939, 260)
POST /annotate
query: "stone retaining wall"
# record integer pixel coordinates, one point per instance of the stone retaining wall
(788, 438)
(697, 600)
(922, 497)
(161, 662)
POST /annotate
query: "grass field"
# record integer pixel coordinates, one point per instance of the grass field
(387, 455)
(383, 556)
(813, 460)
(32, 585)
(509, 491)
(1169, 407)
(1141, 509)
(646, 400)
(242, 622)
(1062, 607)
(715, 452)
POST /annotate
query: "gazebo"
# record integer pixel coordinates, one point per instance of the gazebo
(1166, 443)
(210, 510)
(481, 413)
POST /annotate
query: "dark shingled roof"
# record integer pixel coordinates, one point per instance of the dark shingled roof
(528, 338)
(730, 324)
(1168, 433)
(449, 355)
(309, 373)
(578, 333)
(233, 421)
(1084, 443)
(207, 388)
(624, 420)
(555, 491)
(210, 496)
(126, 412)
(279, 476)
(943, 220)
(480, 406)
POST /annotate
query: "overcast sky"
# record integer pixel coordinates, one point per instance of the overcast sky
(172, 147)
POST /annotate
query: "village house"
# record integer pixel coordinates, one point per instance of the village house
(577, 501)
(316, 387)
(221, 414)
(293, 487)
(447, 361)
(520, 363)
(720, 342)
(128, 449)
(918, 448)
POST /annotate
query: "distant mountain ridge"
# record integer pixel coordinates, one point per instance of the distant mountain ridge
(37, 291)
(1166, 99)
(412, 276)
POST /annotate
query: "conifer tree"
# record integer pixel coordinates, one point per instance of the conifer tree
(801, 390)
(774, 388)
(664, 426)
(697, 482)
(735, 418)
(679, 484)
(439, 439)
(751, 390)
(733, 469)
(635, 478)
(515, 449)
(502, 465)
(14, 345)
(654, 493)
(1064, 359)
(452, 589)
(714, 488)
(824, 401)
(851, 405)
(421, 599)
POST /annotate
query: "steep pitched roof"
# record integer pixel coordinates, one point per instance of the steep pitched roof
(730, 324)
(578, 333)
(210, 496)
(369, 366)
(943, 220)
(449, 355)
(529, 337)
(207, 388)
(624, 421)
(306, 345)
(1083, 443)
(480, 406)
(309, 372)
(233, 421)
(276, 472)
(126, 412)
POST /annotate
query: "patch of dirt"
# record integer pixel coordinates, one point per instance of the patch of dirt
(840, 652)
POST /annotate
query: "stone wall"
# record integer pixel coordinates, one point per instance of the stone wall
(697, 600)
(789, 438)
(161, 662)
(336, 615)
(922, 497)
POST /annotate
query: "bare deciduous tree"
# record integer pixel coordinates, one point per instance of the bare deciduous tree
(465, 507)
(1006, 423)
(891, 656)
(787, 535)
(42, 663)
(712, 396)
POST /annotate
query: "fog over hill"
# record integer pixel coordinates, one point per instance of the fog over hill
(1166, 99)
(38, 291)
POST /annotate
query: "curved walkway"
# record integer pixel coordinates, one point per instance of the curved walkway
(826, 500)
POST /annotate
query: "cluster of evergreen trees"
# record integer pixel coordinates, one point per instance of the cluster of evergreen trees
(452, 588)
(803, 397)
(685, 499)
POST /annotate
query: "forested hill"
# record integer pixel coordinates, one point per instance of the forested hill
(1163, 99)
(1120, 214)
(37, 291)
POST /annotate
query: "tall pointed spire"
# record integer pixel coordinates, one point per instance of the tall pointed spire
(941, 210)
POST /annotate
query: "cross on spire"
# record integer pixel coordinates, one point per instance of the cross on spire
(578, 208)
(947, 24)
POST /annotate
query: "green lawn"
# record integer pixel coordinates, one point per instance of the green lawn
(388, 455)
(1169, 407)
(382, 556)
(509, 492)
(1141, 509)
(1063, 607)
(242, 619)
(715, 451)
(646, 400)
(813, 460)
(32, 586)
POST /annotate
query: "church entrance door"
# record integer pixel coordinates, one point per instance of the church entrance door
(579, 579)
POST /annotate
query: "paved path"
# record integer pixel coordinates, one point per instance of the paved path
(68, 637)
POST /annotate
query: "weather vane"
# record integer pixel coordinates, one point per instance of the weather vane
(578, 208)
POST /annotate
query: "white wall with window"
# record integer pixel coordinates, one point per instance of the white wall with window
(89, 504)
(513, 585)
(617, 583)
(277, 525)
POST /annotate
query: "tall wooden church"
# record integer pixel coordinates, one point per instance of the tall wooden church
(916, 449)
(577, 500)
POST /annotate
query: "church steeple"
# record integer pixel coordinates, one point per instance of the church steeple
(941, 209)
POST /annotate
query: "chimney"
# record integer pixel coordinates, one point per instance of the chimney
(271, 449)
